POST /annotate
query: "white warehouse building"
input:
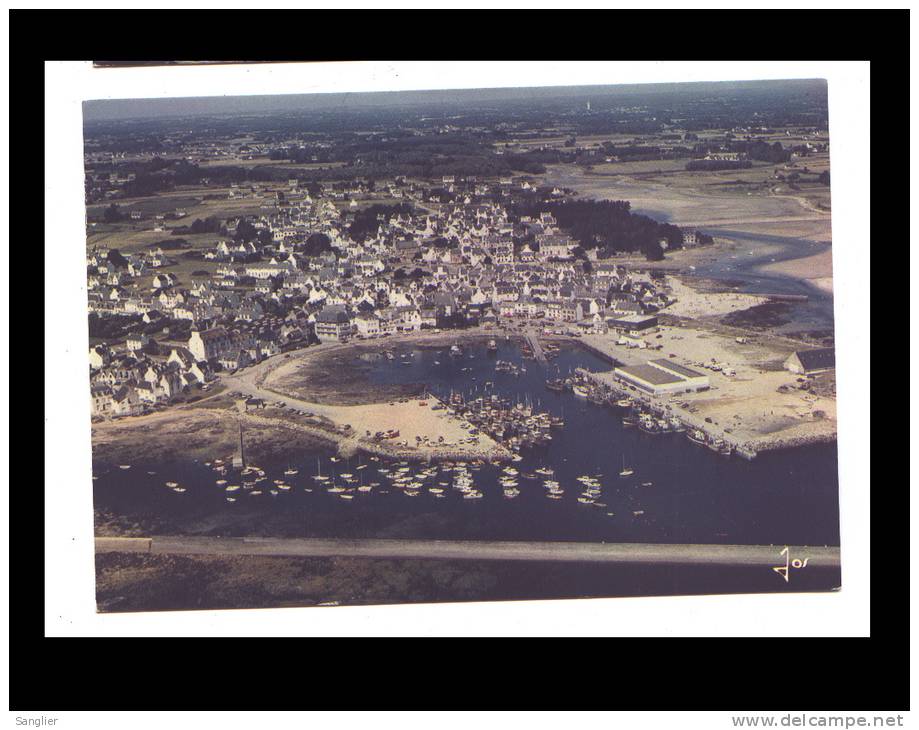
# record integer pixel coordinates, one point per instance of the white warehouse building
(659, 377)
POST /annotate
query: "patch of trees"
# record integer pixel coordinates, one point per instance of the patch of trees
(198, 226)
(113, 214)
(366, 220)
(317, 244)
(401, 273)
(246, 232)
(765, 152)
(607, 225)
(112, 328)
(115, 258)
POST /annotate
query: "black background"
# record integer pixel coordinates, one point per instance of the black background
(349, 673)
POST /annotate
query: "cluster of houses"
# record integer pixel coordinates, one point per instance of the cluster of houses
(465, 262)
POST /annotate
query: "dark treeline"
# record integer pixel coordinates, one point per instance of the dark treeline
(607, 225)
(366, 221)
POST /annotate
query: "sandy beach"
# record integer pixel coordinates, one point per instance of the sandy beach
(694, 304)
(816, 269)
(425, 429)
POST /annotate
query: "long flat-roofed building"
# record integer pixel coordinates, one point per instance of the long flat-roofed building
(632, 322)
(661, 376)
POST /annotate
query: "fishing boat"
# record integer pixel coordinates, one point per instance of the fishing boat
(556, 385)
(232, 488)
(696, 436)
(720, 446)
(627, 471)
(580, 391)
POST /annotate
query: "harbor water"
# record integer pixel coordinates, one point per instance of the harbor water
(679, 492)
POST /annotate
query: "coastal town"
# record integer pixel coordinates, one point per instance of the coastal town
(347, 333)
(351, 264)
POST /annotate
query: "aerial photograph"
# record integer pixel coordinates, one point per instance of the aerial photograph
(461, 345)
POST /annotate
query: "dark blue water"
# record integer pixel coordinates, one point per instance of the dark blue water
(697, 496)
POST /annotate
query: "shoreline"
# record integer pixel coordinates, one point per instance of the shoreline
(345, 427)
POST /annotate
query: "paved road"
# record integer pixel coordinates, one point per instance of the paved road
(622, 553)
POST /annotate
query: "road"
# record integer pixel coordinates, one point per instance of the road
(621, 553)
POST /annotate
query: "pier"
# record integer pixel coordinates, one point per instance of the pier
(533, 342)
(756, 556)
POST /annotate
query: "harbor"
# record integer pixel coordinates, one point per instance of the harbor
(572, 470)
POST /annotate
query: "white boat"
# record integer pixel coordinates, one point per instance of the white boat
(231, 499)
(232, 488)
(221, 482)
(254, 493)
(290, 472)
(172, 485)
(124, 466)
(178, 489)
(626, 470)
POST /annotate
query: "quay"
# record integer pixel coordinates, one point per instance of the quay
(756, 556)
(533, 341)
